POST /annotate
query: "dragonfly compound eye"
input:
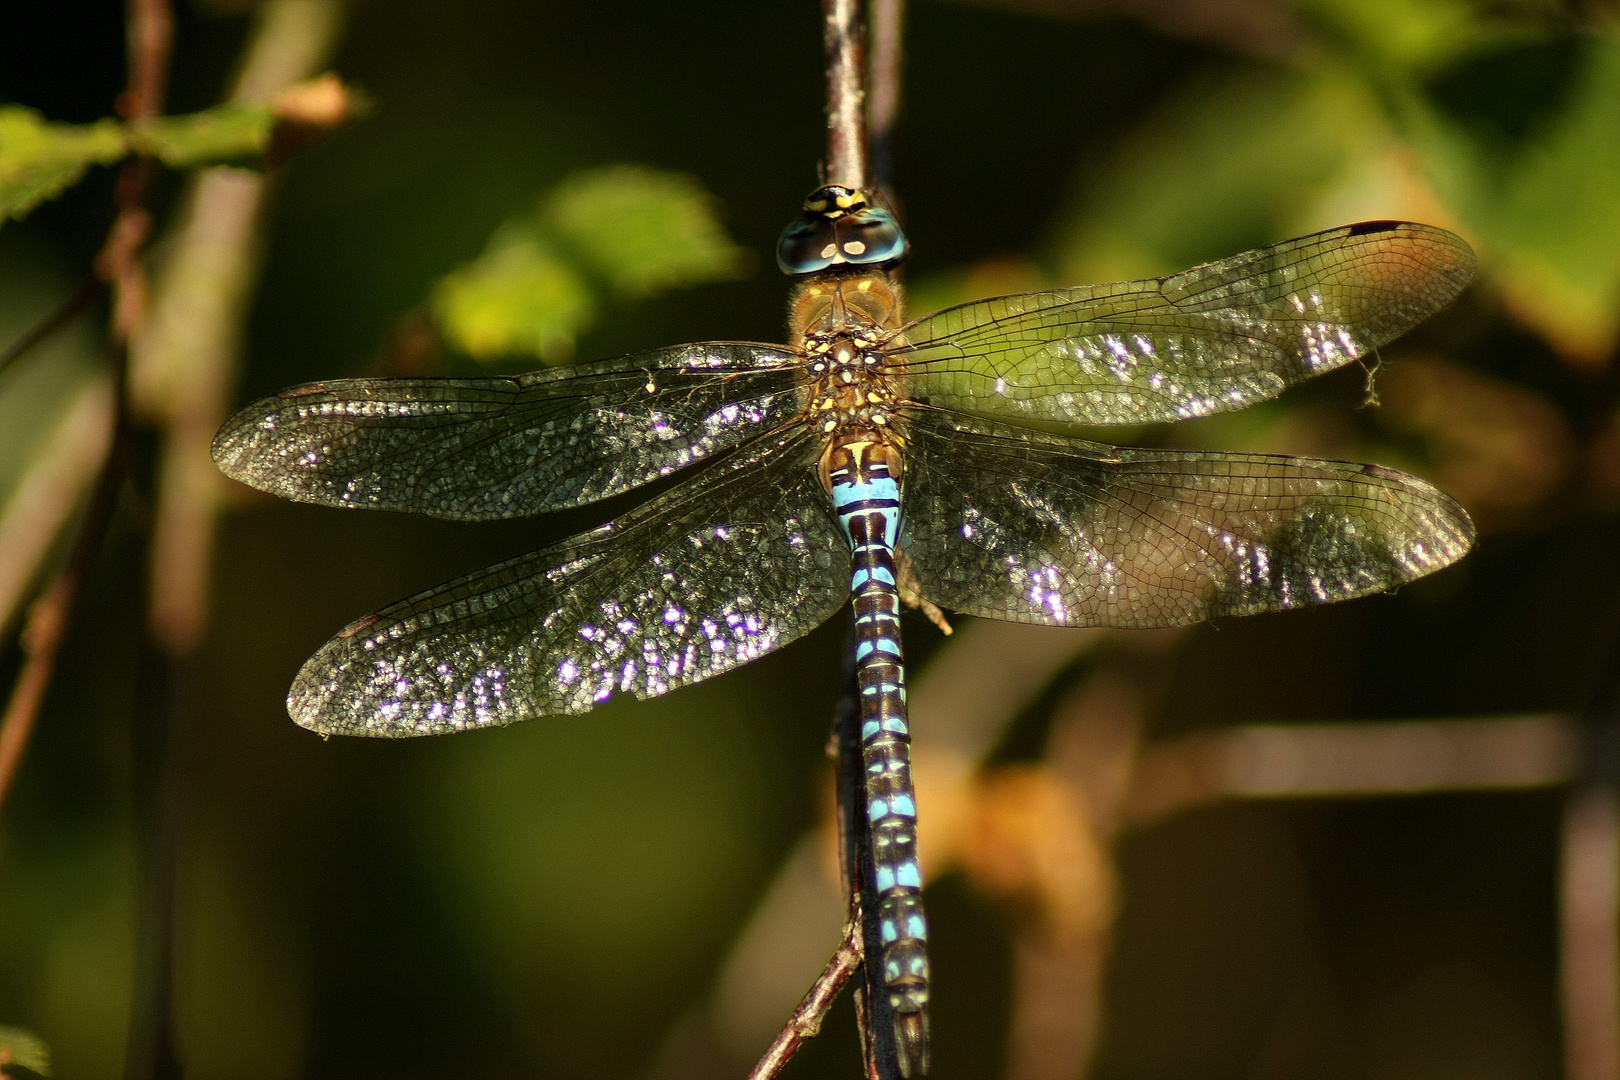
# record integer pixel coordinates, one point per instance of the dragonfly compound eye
(839, 227)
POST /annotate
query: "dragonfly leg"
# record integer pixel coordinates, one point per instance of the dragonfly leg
(911, 595)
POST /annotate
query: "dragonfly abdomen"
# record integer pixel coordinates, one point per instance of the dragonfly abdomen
(866, 499)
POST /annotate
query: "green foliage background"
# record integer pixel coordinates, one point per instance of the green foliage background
(548, 900)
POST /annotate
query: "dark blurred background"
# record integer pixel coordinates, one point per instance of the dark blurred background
(555, 899)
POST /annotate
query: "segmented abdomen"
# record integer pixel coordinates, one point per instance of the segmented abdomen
(866, 499)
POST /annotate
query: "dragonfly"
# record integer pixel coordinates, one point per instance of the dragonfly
(872, 462)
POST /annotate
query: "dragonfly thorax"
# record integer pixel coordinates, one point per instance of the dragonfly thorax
(844, 325)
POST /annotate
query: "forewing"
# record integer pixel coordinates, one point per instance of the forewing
(1029, 527)
(1217, 337)
(715, 572)
(476, 449)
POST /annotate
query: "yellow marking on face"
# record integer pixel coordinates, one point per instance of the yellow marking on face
(854, 247)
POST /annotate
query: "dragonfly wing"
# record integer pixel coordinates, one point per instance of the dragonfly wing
(1031, 527)
(1214, 338)
(713, 573)
(476, 449)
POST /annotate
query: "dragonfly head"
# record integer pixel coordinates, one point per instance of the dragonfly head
(840, 227)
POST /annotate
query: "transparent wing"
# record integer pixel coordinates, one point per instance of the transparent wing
(1030, 527)
(475, 449)
(1215, 338)
(713, 573)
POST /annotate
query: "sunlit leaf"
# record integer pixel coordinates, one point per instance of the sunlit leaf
(642, 230)
(23, 1049)
(40, 160)
(225, 135)
(519, 297)
(1410, 35)
(1226, 165)
(623, 232)
(1543, 202)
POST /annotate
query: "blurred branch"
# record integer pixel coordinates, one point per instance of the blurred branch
(63, 467)
(883, 85)
(1589, 894)
(843, 34)
(50, 322)
(151, 29)
(805, 1023)
(1589, 890)
(1041, 841)
(183, 367)
(150, 34)
(184, 361)
(1346, 760)
(48, 618)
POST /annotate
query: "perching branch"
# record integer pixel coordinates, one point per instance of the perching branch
(843, 33)
(843, 30)
(805, 1023)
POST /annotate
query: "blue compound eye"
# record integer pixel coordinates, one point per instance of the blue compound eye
(840, 228)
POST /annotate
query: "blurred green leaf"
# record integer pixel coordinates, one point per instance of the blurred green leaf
(519, 296)
(1414, 35)
(642, 230)
(1223, 166)
(40, 160)
(1542, 200)
(42, 386)
(587, 900)
(622, 231)
(224, 135)
(24, 1049)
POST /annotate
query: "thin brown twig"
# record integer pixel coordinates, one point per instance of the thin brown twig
(150, 42)
(42, 506)
(844, 35)
(49, 616)
(805, 1023)
(50, 322)
(151, 28)
(184, 361)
